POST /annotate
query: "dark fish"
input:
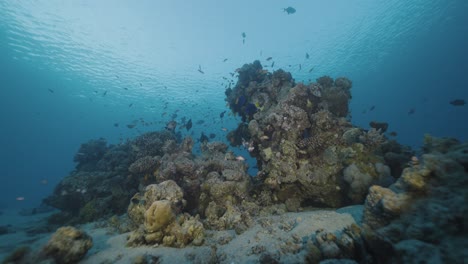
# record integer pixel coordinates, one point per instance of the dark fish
(200, 122)
(372, 108)
(382, 126)
(104, 94)
(393, 134)
(244, 35)
(307, 55)
(225, 60)
(126, 88)
(188, 126)
(311, 69)
(241, 100)
(411, 111)
(269, 58)
(171, 125)
(174, 116)
(50, 90)
(222, 114)
(141, 84)
(116, 124)
(300, 66)
(130, 105)
(272, 64)
(250, 109)
(458, 102)
(131, 126)
(212, 135)
(203, 138)
(200, 70)
(289, 10)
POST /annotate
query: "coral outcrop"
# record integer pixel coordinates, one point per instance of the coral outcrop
(307, 151)
(159, 220)
(424, 214)
(67, 245)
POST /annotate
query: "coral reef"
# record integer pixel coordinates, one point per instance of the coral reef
(106, 177)
(67, 245)
(308, 154)
(307, 151)
(422, 216)
(159, 220)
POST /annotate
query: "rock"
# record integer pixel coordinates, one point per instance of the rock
(158, 216)
(415, 251)
(67, 245)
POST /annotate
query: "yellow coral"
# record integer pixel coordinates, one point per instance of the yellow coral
(158, 216)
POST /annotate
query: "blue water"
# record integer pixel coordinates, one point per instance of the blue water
(98, 57)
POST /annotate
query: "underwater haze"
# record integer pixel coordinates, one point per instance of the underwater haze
(71, 71)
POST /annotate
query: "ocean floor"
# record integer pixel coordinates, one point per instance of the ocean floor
(281, 237)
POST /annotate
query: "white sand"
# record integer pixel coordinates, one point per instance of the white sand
(282, 237)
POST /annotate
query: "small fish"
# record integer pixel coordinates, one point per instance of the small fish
(269, 58)
(458, 102)
(50, 90)
(212, 135)
(203, 138)
(131, 126)
(272, 64)
(289, 10)
(244, 35)
(311, 69)
(125, 88)
(307, 55)
(224, 129)
(300, 66)
(372, 108)
(130, 105)
(393, 134)
(243, 41)
(171, 125)
(225, 60)
(240, 158)
(188, 126)
(104, 94)
(20, 198)
(141, 85)
(221, 115)
(116, 124)
(411, 111)
(264, 138)
(251, 148)
(200, 70)
(200, 122)
(44, 181)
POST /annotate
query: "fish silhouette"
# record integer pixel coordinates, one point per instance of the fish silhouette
(289, 10)
(458, 102)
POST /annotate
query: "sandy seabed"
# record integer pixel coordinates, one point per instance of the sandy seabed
(282, 237)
